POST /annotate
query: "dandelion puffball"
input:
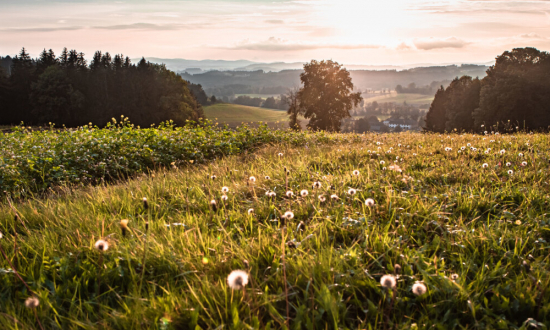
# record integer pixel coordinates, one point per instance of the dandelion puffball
(237, 279)
(288, 215)
(316, 185)
(252, 179)
(419, 288)
(322, 198)
(508, 164)
(32, 302)
(485, 165)
(382, 162)
(272, 194)
(388, 281)
(267, 177)
(510, 172)
(101, 245)
(289, 194)
(334, 197)
(304, 193)
(225, 190)
(356, 173)
(454, 277)
(352, 191)
(280, 154)
(250, 211)
(224, 198)
(523, 163)
(369, 202)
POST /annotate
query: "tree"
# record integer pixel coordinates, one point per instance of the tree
(326, 97)
(270, 103)
(362, 125)
(516, 89)
(294, 109)
(463, 99)
(436, 117)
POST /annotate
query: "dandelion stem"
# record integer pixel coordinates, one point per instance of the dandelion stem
(283, 232)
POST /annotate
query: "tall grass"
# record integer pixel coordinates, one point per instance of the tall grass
(438, 213)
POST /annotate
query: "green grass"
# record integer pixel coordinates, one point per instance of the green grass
(262, 96)
(235, 113)
(400, 98)
(443, 214)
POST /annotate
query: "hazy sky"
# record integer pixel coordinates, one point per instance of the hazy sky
(348, 31)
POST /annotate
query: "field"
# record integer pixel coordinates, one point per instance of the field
(415, 99)
(463, 233)
(235, 114)
(262, 96)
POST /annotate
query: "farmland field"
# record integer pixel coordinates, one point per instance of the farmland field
(460, 223)
(235, 114)
(416, 99)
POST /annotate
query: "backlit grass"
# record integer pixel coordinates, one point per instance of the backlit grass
(476, 236)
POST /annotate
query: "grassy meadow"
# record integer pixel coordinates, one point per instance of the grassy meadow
(416, 99)
(465, 218)
(234, 115)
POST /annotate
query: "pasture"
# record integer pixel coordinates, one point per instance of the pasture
(234, 115)
(458, 226)
(415, 99)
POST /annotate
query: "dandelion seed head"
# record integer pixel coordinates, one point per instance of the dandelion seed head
(267, 177)
(352, 191)
(356, 172)
(316, 185)
(508, 164)
(419, 288)
(382, 162)
(213, 177)
(272, 194)
(502, 152)
(213, 202)
(485, 165)
(225, 190)
(304, 193)
(388, 281)
(250, 211)
(288, 215)
(510, 172)
(334, 197)
(454, 277)
(224, 198)
(520, 154)
(280, 154)
(252, 179)
(369, 202)
(289, 194)
(523, 163)
(32, 302)
(322, 198)
(237, 280)
(101, 245)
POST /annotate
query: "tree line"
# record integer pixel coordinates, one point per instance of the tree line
(66, 90)
(515, 94)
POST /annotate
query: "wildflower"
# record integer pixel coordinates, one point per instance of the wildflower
(382, 162)
(388, 281)
(225, 190)
(395, 168)
(267, 177)
(448, 149)
(272, 194)
(250, 211)
(288, 215)
(454, 277)
(101, 245)
(352, 191)
(237, 279)
(252, 179)
(523, 163)
(322, 198)
(502, 152)
(510, 172)
(224, 198)
(316, 185)
(213, 177)
(485, 165)
(356, 173)
(508, 164)
(145, 203)
(369, 202)
(334, 197)
(520, 154)
(462, 148)
(124, 226)
(32, 302)
(304, 193)
(468, 144)
(213, 204)
(289, 194)
(419, 288)
(280, 154)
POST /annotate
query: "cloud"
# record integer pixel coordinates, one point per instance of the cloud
(142, 26)
(274, 21)
(278, 44)
(43, 29)
(438, 43)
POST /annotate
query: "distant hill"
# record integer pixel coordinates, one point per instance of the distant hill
(229, 83)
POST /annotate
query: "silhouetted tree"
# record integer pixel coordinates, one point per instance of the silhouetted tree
(436, 116)
(326, 97)
(294, 110)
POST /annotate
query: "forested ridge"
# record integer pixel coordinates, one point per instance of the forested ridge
(515, 95)
(66, 90)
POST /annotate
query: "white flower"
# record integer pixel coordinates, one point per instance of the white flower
(32, 302)
(485, 165)
(334, 197)
(510, 172)
(508, 164)
(419, 288)
(502, 152)
(388, 281)
(454, 277)
(252, 179)
(520, 154)
(369, 202)
(237, 280)
(272, 194)
(322, 198)
(448, 149)
(304, 193)
(250, 211)
(101, 245)
(224, 198)
(267, 177)
(316, 185)
(352, 191)
(280, 154)
(382, 162)
(225, 190)
(288, 215)
(213, 177)
(523, 163)
(356, 173)
(289, 194)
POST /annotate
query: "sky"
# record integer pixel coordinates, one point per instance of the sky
(369, 32)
